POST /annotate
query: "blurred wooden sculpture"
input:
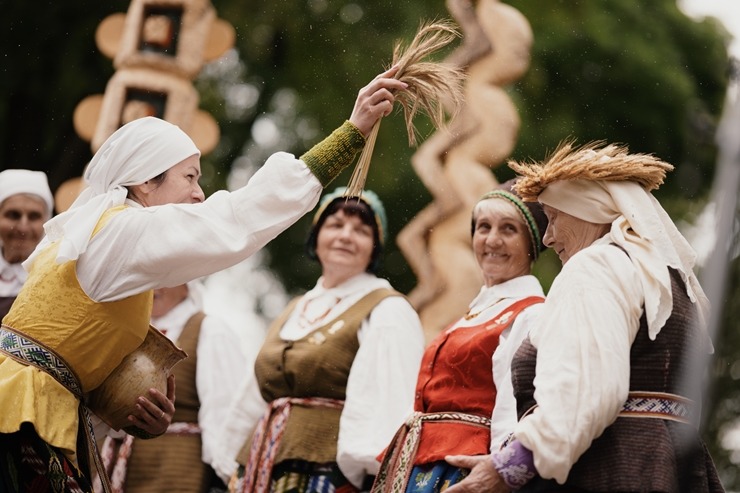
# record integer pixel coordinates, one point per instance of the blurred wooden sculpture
(455, 163)
(158, 47)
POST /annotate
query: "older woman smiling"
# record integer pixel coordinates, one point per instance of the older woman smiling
(464, 402)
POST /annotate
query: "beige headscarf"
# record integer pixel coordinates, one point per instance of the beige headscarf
(606, 185)
(133, 154)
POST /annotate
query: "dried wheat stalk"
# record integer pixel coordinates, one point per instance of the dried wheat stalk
(429, 83)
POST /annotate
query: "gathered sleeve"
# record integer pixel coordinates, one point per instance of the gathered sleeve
(583, 340)
(163, 246)
(380, 389)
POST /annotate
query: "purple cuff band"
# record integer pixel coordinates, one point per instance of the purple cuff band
(515, 464)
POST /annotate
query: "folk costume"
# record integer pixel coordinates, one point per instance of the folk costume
(455, 392)
(464, 402)
(346, 411)
(622, 330)
(88, 297)
(14, 182)
(180, 459)
(333, 381)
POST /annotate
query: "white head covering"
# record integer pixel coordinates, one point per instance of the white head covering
(17, 181)
(641, 226)
(135, 153)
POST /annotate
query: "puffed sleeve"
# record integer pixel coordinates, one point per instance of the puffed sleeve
(149, 247)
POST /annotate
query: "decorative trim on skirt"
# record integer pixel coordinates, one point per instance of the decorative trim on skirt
(30, 465)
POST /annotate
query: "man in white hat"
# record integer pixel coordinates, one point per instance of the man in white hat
(26, 203)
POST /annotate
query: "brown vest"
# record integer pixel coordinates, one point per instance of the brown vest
(173, 462)
(316, 365)
(639, 454)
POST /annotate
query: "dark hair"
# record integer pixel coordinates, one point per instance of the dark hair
(350, 207)
(158, 180)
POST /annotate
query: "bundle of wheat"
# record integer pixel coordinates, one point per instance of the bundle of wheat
(429, 83)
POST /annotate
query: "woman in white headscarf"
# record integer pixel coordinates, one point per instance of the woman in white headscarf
(26, 204)
(141, 224)
(607, 385)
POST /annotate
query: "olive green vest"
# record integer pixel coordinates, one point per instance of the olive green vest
(316, 365)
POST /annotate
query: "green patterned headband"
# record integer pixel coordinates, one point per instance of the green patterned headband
(534, 232)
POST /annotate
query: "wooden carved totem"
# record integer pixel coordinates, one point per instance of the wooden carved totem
(456, 164)
(158, 47)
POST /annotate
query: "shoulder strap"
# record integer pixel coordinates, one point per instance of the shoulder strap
(362, 308)
(509, 314)
(188, 339)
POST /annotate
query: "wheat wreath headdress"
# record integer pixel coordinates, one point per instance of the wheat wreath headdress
(595, 161)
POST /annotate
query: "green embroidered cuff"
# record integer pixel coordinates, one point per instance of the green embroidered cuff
(330, 156)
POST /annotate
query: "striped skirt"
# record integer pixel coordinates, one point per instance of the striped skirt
(30, 465)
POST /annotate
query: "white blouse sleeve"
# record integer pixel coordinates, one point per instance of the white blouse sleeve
(244, 412)
(504, 416)
(380, 389)
(152, 247)
(222, 367)
(587, 326)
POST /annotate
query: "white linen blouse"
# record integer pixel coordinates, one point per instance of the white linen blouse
(12, 277)
(222, 365)
(145, 248)
(490, 302)
(587, 326)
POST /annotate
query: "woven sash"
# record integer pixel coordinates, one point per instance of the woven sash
(399, 460)
(28, 351)
(266, 440)
(655, 405)
(659, 405)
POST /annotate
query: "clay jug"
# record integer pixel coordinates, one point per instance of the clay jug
(146, 367)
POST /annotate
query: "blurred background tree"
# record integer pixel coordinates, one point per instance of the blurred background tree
(636, 72)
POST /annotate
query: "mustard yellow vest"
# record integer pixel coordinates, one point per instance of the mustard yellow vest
(91, 337)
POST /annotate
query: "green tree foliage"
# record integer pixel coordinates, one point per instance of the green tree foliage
(49, 63)
(641, 73)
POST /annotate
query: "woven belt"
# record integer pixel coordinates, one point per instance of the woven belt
(399, 457)
(266, 442)
(659, 405)
(655, 405)
(28, 351)
(644, 404)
